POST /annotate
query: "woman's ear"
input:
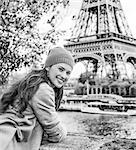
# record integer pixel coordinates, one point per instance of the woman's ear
(47, 70)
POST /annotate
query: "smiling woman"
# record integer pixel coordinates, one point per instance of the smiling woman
(59, 64)
(28, 109)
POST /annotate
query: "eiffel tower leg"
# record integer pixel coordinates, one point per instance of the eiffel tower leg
(104, 64)
(133, 63)
(86, 64)
(116, 64)
(124, 63)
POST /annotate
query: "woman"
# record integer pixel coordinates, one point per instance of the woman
(28, 109)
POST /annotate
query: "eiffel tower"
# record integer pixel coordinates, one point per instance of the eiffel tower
(102, 36)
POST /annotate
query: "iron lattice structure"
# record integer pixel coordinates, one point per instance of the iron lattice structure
(101, 34)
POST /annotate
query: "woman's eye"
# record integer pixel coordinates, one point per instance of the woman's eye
(68, 73)
(61, 69)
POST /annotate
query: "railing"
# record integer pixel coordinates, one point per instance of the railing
(101, 97)
(103, 36)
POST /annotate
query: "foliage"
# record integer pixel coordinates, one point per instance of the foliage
(21, 43)
(79, 89)
(87, 76)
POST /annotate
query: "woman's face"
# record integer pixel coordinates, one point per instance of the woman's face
(59, 74)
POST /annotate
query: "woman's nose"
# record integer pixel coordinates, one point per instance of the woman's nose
(64, 75)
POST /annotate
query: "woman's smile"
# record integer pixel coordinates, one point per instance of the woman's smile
(61, 80)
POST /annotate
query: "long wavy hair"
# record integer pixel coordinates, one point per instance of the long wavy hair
(24, 90)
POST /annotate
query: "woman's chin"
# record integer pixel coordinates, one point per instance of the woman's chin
(58, 85)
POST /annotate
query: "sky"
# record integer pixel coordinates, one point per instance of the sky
(129, 7)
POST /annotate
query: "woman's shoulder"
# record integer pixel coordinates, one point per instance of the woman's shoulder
(44, 94)
(45, 87)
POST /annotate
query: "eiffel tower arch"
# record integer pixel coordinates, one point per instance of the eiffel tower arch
(102, 36)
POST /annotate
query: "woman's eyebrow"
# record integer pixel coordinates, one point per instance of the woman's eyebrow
(61, 67)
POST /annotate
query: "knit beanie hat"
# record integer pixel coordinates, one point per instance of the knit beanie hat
(59, 55)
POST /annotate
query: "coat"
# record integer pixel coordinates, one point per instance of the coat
(25, 132)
